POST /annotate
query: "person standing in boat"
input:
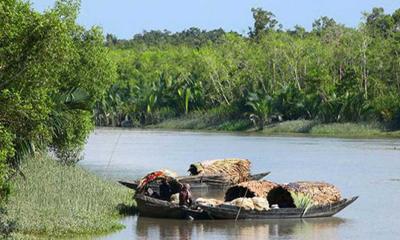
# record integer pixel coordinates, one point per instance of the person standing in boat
(185, 196)
(165, 190)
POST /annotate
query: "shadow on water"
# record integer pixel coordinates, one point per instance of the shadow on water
(150, 228)
(126, 210)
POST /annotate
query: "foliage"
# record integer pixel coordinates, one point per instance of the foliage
(7, 227)
(387, 107)
(219, 118)
(193, 37)
(330, 74)
(6, 152)
(89, 204)
(264, 21)
(260, 108)
(346, 129)
(301, 201)
(52, 71)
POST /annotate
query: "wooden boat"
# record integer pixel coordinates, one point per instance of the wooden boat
(199, 181)
(156, 208)
(231, 212)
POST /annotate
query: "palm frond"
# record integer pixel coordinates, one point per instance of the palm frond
(74, 98)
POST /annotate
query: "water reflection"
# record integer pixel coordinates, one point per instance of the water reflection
(147, 228)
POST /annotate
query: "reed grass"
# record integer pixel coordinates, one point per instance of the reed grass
(296, 127)
(219, 118)
(347, 129)
(301, 201)
(55, 200)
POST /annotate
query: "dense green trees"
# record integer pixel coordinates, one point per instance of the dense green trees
(193, 37)
(331, 74)
(52, 71)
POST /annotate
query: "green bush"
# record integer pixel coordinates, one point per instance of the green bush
(6, 152)
(387, 107)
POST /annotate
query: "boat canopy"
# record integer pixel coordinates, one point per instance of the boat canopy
(249, 189)
(157, 175)
(292, 194)
(236, 170)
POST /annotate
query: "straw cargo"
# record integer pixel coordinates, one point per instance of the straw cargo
(234, 170)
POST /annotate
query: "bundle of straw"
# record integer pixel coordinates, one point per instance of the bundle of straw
(235, 170)
(249, 189)
(319, 192)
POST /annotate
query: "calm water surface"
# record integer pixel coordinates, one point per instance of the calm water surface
(368, 168)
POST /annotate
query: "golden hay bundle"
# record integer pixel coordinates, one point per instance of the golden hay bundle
(250, 189)
(319, 193)
(234, 169)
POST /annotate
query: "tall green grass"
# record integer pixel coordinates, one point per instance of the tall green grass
(219, 118)
(56, 200)
(347, 129)
(301, 201)
(295, 126)
(211, 121)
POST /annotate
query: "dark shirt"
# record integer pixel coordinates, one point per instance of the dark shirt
(165, 192)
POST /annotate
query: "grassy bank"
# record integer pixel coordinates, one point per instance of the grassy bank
(207, 121)
(58, 201)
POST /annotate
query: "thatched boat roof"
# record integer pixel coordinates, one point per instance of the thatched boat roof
(250, 189)
(236, 170)
(320, 193)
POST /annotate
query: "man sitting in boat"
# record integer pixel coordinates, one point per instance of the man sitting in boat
(185, 196)
(165, 190)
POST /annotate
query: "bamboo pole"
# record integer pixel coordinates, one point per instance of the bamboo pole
(241, 205)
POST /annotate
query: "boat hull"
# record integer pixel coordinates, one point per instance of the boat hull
(231, 212)
(155, 208)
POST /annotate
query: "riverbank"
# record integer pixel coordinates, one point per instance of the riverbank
(296, 127)
(52, 200)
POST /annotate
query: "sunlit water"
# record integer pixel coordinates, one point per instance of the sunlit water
(368, 168)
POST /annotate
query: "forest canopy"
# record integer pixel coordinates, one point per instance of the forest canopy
(331, 73)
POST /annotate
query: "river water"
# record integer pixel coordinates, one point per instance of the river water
(366, 168)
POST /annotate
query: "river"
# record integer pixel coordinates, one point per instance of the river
(366, 168)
